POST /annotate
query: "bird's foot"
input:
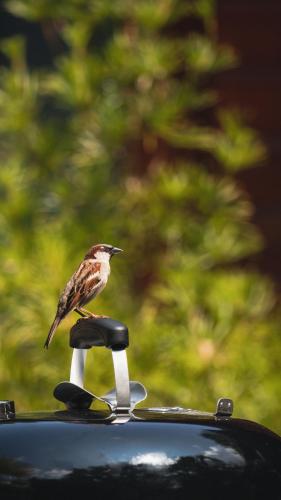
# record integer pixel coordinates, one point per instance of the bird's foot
(88, 314)
(97, 316)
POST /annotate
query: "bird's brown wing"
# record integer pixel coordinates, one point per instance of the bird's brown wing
(83, 294)
(80, 288)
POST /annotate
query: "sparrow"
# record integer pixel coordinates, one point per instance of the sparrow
(85, 284)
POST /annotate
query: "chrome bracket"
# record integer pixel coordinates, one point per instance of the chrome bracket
(121, 400)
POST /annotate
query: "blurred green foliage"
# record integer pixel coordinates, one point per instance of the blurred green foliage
(115, 144)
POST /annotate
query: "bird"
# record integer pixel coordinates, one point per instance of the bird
(84, 285)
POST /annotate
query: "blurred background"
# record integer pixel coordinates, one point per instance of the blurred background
(153, 126)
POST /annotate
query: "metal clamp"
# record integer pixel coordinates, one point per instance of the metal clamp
(89, 333)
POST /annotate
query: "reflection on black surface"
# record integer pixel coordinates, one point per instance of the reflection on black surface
(11, 468)
(197, 477)
(60, 459)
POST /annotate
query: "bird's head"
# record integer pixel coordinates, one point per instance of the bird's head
(102, 252)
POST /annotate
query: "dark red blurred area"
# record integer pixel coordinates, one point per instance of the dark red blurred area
(253, 28)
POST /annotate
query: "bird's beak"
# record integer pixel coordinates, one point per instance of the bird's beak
(116, 250)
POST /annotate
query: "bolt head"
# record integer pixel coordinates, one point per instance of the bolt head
(7, 409)
(224, 407)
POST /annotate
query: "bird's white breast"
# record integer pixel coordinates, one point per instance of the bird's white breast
(104, 271)
(103, 259)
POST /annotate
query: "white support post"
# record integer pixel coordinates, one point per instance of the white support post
(122, 383)
(78, 367)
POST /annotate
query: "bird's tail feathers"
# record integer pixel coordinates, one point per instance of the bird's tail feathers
(52, 330)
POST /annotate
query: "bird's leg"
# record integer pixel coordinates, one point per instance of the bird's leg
(88, 314)
(80, 312)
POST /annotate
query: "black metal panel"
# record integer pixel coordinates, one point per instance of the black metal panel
(170, 456)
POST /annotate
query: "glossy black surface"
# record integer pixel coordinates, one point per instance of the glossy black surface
(169, 456)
